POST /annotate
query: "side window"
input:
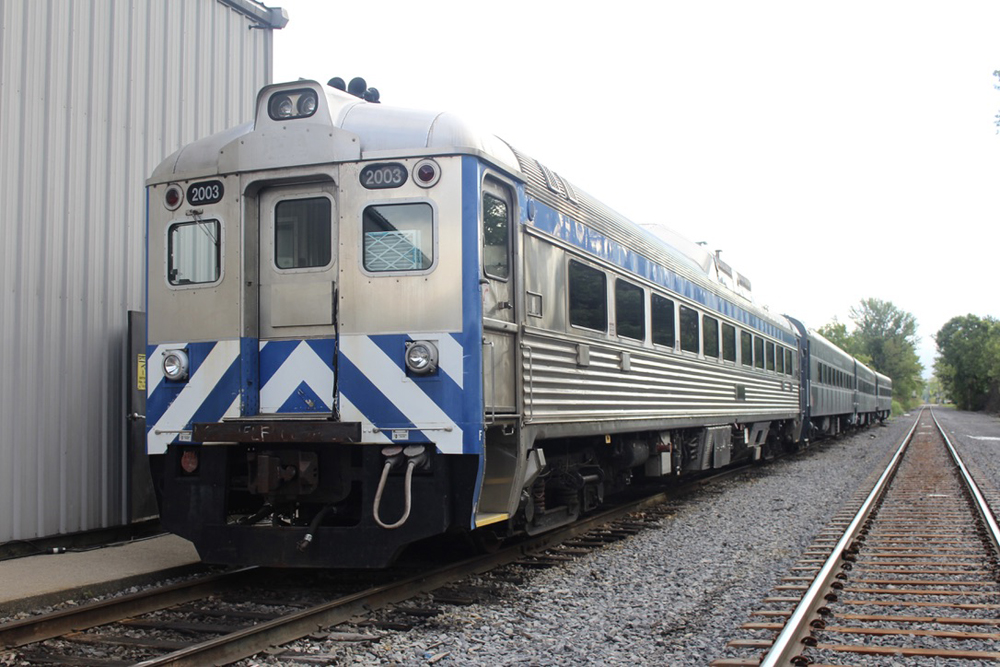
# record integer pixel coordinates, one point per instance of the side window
(779, 359)
(630, 310)
(662, 312)
(302, 233)
(770, 356)
(758, 352)
(496, 237)
(710, 336)
(398, 237)
(788, 362)
(728, 342)
(588, 297)
(689, 329)
(746, 348)
(194, 252)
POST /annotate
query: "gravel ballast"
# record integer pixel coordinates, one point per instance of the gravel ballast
(672, 595)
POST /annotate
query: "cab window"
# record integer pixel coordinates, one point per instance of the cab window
(193, 252)
(398, 237)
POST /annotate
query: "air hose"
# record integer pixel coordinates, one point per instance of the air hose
(410, 465)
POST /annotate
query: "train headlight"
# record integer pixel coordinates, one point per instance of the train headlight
(421, 357)
(281, 107)
(175, 365)
(291, 104)
(307, 104)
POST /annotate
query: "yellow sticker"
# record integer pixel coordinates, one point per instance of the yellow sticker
(140, 372)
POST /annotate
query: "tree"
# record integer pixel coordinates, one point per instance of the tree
(888, 335)
(968, 363)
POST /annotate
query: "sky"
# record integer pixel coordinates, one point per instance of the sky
(832, 151)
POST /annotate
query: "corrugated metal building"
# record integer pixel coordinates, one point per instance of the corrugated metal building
(93, 94)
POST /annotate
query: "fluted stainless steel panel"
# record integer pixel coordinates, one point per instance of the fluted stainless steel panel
(657, 385)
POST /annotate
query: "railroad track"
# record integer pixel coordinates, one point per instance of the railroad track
(912, 574)
(207, 621)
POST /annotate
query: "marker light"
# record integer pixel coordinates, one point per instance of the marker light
(421, 357)
(189, 461)
(173, 197)
(175, 365)
(427, 173)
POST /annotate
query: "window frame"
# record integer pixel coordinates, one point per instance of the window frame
(492, 188)
(274, 230)
(642, 304)
(697, 332)
(569, 296)
(705, 334)
(673, 321)
(725, 327)
(435, 233)
(219, 254)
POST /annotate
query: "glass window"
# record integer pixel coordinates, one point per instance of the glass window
(728, 342)
(770, 356)
(496, 232)
(689, 329)
(788, 362)
(588, 297)
(779, 359)
(746, 348)
(193, 252)
(630, 310)
(662, 313)
(398, 237)
(302, 233)
(710, 336)
(758, 352)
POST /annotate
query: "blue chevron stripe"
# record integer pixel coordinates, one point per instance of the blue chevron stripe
(372, 403)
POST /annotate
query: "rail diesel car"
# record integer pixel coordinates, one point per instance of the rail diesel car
(369, 325)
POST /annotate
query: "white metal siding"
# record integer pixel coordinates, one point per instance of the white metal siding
(92, 96)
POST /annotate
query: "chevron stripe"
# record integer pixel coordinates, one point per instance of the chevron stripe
(211, 392)
(389, 386)
(285, 365)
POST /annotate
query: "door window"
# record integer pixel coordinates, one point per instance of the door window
(495, 237)
(302, 232)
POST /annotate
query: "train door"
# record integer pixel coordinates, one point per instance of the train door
(499, 493)
(497, 281)
(297, 299)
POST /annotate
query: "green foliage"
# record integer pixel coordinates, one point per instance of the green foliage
(968, 363)
(885, 339)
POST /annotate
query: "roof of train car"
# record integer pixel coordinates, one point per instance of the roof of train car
(823, 349)
(379, 130)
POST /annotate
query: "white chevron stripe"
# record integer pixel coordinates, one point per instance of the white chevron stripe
(405, 394)
(194, 393)
(350, 413)
(302, 365)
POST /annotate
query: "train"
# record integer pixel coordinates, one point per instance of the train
(369, 326)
